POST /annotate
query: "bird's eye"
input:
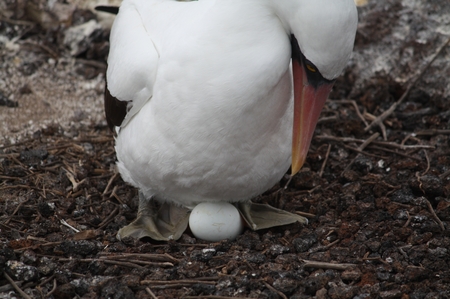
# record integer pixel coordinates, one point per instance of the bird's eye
(311, 68)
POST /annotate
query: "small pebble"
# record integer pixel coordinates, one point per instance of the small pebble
(20, 271)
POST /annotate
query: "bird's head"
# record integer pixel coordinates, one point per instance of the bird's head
(322, 34)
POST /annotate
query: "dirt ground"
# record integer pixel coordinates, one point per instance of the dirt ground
(378, 197)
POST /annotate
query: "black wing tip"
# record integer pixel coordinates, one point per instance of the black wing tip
(109, 9)
(115, 110)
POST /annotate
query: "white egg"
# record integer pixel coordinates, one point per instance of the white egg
(211, 221)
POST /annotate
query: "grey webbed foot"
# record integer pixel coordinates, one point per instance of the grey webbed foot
(161, 222)
(261, 216)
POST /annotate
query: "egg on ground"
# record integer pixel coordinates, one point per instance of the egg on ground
(214, 222)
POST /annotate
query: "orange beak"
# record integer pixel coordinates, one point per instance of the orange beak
(308, 103)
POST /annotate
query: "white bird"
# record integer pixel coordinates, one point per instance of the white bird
(213, 100)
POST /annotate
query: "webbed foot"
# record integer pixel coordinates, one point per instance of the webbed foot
(161, 222)
(261, 216)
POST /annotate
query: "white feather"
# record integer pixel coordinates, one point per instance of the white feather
(210, 89)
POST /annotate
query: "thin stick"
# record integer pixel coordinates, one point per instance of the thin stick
(325, 161)
(304, 214)
(428, 163)
(114, 194)
(368, 141)
(71, 178)
(364, 153)
(151, 293)
(156, 264)
(15, 210)
(394, 106)
(332, 244)
(295, 193)
(111, 180)
(381, 125)
(16, 287)
(432, 132)
(156, 257)
(212, 297)
(275, 290)
(46, 280)
(408, 221)
(4, 177)
(383, 143)
(171, 286)
(434, 214)
(53, 289)
(288, 182)
(125, 264)
(108, 219)
(394, 152)
(63, 222)
(355, 105)
(325, 265)
(176, 282)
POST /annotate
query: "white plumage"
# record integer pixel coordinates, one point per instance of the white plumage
(209, 90)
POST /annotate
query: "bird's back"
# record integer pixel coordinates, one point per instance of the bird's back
(213, 93)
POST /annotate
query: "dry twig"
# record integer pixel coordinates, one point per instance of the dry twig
(304, 214)
(378, 121)
(114, 194)
(355, 105)
(381, 125)
(325, 161)
(432, 132)
(274, 290)
(433, 213)
(325, 265)
(165, 257)
(151, 293)
(16, 287)
(63, 222)
(71, 178)
(203, 280)
(428, 163)
(109, 218)
(212, 297)
(53, 289)
(125, 264)
(382, 143)
(407, 221)
(15, 211)
(393, 152)
(111, 180)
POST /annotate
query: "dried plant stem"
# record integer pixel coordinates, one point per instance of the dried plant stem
(16, 287)
(274, 290)
(394, 106)
(325, 265)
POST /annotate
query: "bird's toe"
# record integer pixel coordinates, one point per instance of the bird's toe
(261, 216)
(161, 222)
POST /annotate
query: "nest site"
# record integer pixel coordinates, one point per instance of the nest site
(375, 186)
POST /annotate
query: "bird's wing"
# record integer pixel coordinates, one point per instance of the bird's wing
(108, 8)
(132, 66)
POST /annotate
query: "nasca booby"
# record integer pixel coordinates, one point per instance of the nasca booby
(214, 100)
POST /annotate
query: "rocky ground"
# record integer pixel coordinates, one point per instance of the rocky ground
(377, 196)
